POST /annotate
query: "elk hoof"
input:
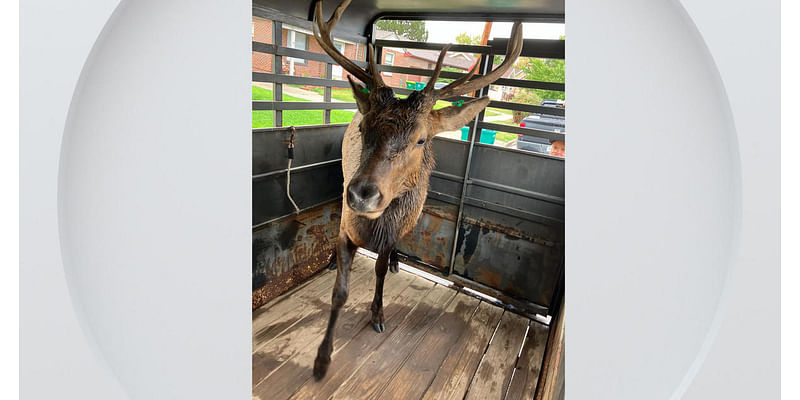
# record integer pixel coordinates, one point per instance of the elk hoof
(379, 327)
(321, 367)
(393, 267)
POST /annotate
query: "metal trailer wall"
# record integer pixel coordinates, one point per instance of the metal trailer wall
(508, 204)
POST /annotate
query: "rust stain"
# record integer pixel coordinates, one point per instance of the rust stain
(311, 251)
(511, 232)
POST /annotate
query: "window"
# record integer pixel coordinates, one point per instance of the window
(388, 60)
(299, 41)
(339, 46)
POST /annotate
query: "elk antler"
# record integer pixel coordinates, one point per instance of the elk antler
(322, 32)
(464, 84)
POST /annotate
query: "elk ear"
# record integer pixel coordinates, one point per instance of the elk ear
(454, 117)
(361, 94)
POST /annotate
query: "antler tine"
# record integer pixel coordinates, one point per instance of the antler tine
(429, 87)
(377, 79)
(322, 32)
(464, 85)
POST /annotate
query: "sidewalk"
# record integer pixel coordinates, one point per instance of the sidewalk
(296, 92)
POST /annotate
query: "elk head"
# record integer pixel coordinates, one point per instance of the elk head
(396, 133)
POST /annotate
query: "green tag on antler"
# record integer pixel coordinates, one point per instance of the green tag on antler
(458, 103)
(365, 90)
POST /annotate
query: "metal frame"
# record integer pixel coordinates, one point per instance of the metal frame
(458, 180)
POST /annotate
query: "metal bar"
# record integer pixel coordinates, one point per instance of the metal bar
(450, 177)
(555, 86)
(268, 48)
(519, 306)
(419, 71)
(472, 130)
(307, 55)
(539, 48)
(298, 80)
(295, 169)
(506, 105)
(518, 191)
(261, 225)
(524, 131)
(333, 128)
(514, 212)
(443, 197)
(262, 11)
(301, 105)
(326, 115)
(503, 188)
(433, 46)
(277, 68)
(480, 16)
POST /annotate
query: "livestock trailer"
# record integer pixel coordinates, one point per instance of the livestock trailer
(476, 310)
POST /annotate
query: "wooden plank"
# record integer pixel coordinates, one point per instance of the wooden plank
(494, 373)
(419, 370)
(291, 375)
(309, 329)
(526, 373)
(551, 381)
(290, 309)
(348, 358)
(369, 380)
(458, 368)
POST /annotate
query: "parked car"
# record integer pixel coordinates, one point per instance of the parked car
(544, 122)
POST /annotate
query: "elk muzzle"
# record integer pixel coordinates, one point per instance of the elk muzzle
(364, 196)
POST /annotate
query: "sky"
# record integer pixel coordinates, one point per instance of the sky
(446, 31)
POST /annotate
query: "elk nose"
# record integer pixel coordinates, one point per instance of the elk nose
(363, 196)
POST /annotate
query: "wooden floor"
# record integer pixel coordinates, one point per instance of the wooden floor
(439, 343)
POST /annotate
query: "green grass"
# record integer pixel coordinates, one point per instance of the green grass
(505, 137)
(264, 119)
(491, 111)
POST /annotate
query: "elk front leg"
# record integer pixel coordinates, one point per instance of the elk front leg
(345, 250)
(393, 265)
(381, 265)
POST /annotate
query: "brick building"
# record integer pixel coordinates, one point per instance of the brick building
(303, 39)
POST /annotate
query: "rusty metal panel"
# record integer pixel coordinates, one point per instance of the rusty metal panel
(517, 263)
(432, 238)
(521, 259)
(290, 250)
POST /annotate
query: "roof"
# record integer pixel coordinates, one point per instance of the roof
(458, 60)
(463, 61)
(356, 20)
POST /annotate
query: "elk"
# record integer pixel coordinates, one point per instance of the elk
(387, 158)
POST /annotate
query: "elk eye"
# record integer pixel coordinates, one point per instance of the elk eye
(421, 141)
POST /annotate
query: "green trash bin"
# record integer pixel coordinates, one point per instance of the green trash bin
(487, 135)
(411, 85)
(420, 85)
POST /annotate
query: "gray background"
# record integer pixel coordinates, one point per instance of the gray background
(135, 275)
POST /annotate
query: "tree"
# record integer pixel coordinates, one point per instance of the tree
(414, 30)
(544, 70)
(465, 38)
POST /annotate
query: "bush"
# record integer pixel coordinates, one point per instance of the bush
(518, 116)
(525, 96)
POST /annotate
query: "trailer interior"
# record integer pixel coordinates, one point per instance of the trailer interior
(476, 310)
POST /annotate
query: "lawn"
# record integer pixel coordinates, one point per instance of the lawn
(505, 137)
(264, 119)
